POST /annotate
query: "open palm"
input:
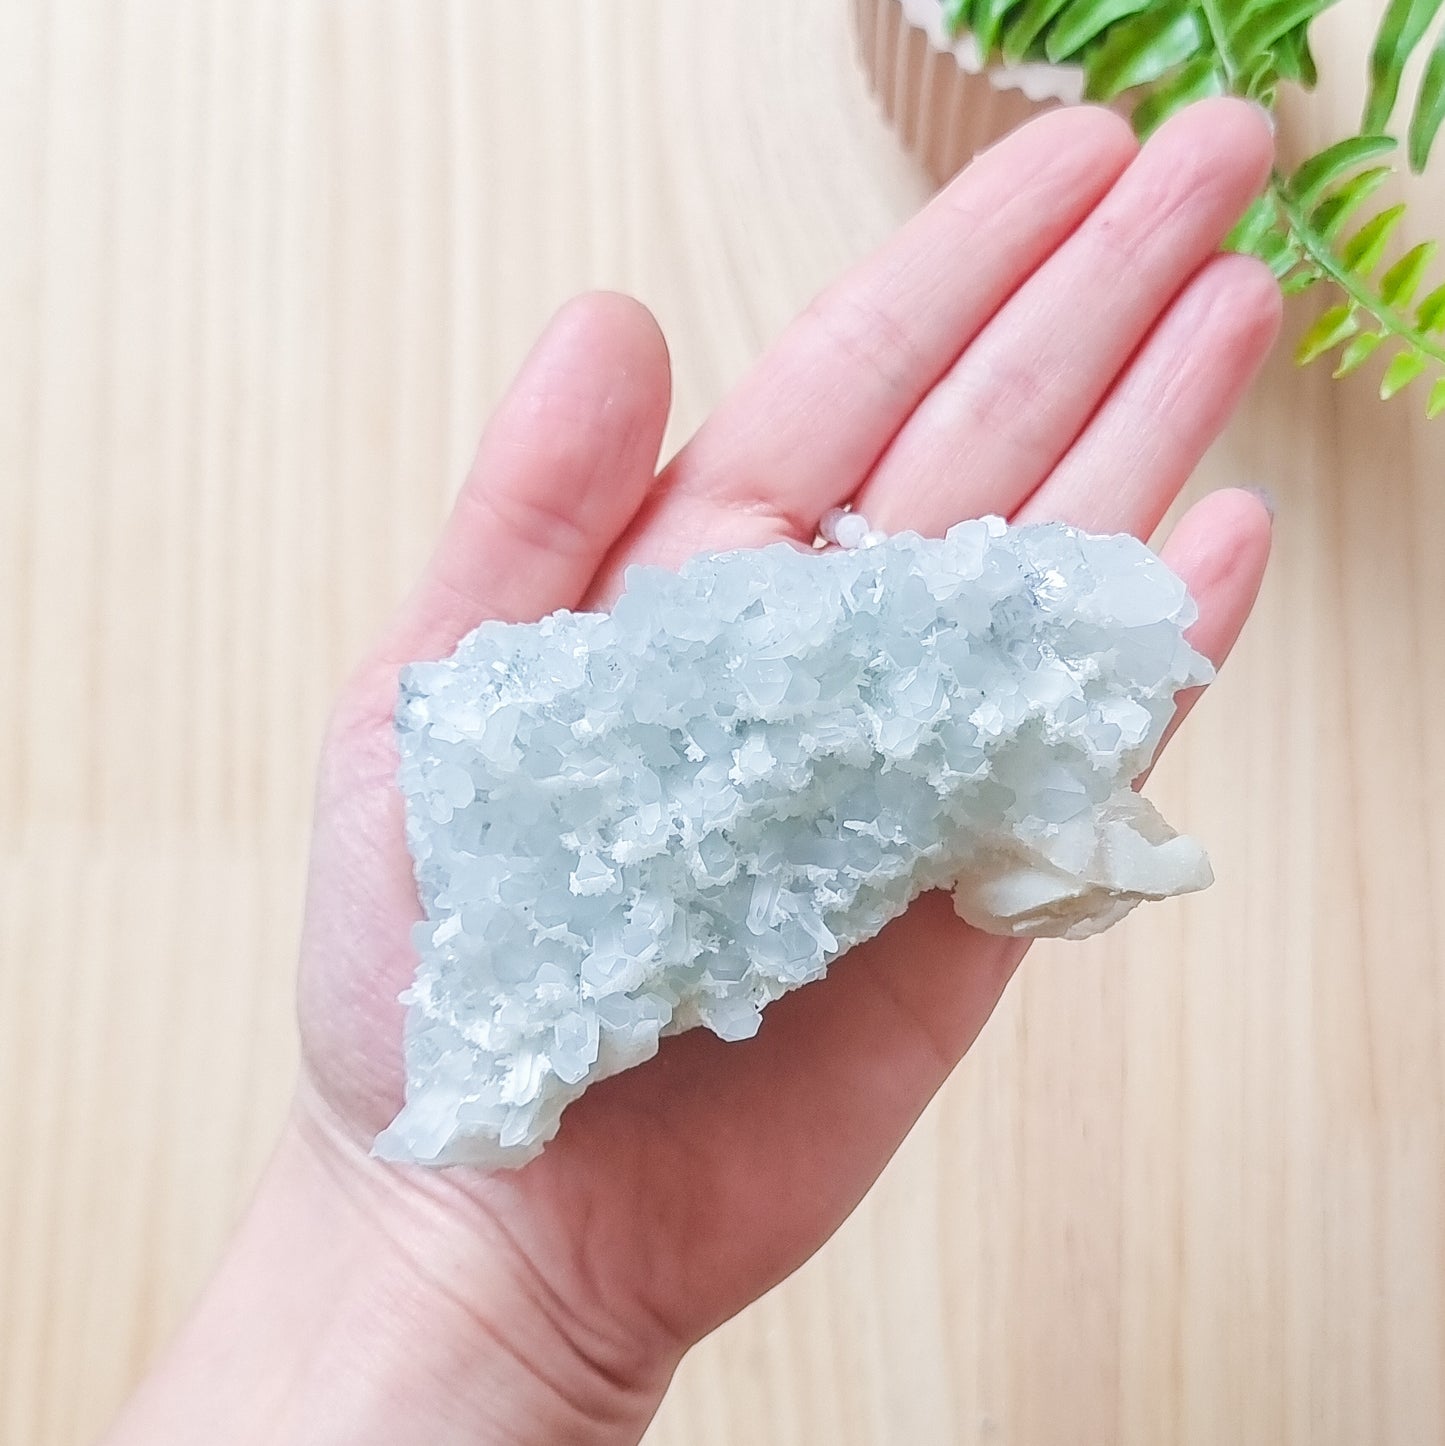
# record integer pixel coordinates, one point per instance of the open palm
(1055, 336)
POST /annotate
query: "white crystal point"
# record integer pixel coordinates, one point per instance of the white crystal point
(1136, 856)
(850, 530)
(628, 824)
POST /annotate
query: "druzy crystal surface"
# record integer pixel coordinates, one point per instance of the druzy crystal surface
(629, 824)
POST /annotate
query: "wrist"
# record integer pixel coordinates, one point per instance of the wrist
(351, 1308)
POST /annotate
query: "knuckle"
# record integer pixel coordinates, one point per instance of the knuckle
(536, 519)
(1002, 397)
(869, 335)
(1143, 225)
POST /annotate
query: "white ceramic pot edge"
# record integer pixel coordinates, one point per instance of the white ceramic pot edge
(1038, 82)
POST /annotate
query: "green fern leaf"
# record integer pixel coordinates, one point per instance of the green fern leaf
(1370, 313)
(1335, 326)
(956, 16)
(1403, 370)
(1258, 221)
(1262, 31)
(986, 21)
(1400, 34)
(1307, 227)
(1295, 60)
(1201, 78)
(1082, 21)
(1359, 351)
(1329, 217)
(1319, 173)
(1143, 49)
(1366, 248)
(1301, 280)
(1436, 404)
(1429, 107)
(1258, 80)
(1021, 37)
(1401, 29)
(1400, 283)
(1430, 314)
(1281, 252)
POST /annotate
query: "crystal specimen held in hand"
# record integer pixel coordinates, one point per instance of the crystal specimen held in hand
(628, 824)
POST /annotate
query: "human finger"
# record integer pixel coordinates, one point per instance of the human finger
(801, 430)
(996, 424)
(1173, 400)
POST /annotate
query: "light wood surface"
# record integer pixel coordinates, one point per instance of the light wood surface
(263, 267)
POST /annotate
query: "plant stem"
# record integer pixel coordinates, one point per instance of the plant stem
(1320, 254)
(1219, 33)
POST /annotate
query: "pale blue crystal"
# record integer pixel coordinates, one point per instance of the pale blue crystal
(625, 825)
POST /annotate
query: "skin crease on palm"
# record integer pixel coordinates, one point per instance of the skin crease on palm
(1055, 336)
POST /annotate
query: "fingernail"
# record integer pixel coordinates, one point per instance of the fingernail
(1268, 115)
(1266, 497)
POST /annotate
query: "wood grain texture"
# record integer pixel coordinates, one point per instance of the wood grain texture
(263, 268)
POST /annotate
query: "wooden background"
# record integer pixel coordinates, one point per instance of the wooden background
(263, 268)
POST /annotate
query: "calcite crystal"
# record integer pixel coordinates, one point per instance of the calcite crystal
(629, 824)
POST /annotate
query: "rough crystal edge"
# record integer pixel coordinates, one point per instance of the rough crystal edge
(1007, 900)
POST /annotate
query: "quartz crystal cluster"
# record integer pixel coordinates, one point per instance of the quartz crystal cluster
(629, 824)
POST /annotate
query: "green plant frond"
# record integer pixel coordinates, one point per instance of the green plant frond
(1201, 78)
(956, 15)
(1281, 252)
(1400, 283)
(1144, 49)
(1258, 221)
(1330, 216)
(1403, 369)
(1081, 21)
(1022, 36)
(986, 20)
(1401, 33)
(1332, 327)
(1430, 315)
(1298, 228)
(1167, 53)
(1260, 33)
(1259, 81)
(1359, 350)
(1312, 227)
(1296, 60)
(1300, 280)
(1318, 174)
(1429, 108)
(1402, 28)
(1364, 251)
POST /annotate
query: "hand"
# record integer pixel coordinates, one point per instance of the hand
(1055, 336)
